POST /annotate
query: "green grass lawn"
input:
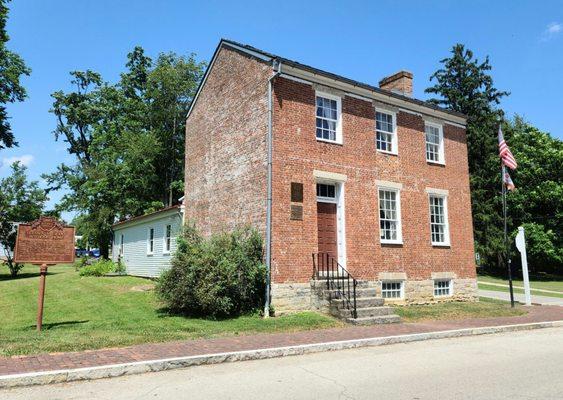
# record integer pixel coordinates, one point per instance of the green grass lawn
(556, 284)
(485, 308)
(484, 286)
(91, 313)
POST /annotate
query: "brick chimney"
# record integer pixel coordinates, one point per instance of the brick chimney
(400, 83)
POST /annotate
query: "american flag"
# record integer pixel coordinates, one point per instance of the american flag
(508, 181)
(504, 152)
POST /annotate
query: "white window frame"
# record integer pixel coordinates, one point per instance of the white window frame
(338, 180)
(441, 156)
(394, 139)
(325, 199)
(150, 241)
(121, 248)
(397, 189)
(450, 287)
(167, 239)
(338, 132)
(444, 196)
(401, 289)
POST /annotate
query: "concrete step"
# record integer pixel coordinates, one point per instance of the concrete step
(362, 312)
(382, 319)
(361, 302)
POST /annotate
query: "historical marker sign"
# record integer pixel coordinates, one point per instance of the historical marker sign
(44, 241)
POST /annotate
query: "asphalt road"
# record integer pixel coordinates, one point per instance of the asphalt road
(522, 365)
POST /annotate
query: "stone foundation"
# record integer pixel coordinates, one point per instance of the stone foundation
(294, 297)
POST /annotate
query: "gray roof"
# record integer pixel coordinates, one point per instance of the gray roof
(340, 78)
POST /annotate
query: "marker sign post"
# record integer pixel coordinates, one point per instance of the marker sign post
(521, 246)
(44, 242)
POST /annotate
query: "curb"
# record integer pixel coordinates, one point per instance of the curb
(139, 367)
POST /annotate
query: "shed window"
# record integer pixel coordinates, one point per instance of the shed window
(168, 238)
(150, 241)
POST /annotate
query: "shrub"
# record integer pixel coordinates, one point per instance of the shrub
(80, 263)
(216, 277)
(98, 268)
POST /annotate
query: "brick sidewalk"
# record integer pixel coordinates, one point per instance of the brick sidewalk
(154, 351)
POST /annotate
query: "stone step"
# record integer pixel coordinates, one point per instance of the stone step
(322, 283)
(345, 313)
(365, 292)
(361, 302)
(382, 319)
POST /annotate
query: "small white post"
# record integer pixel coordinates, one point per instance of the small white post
(521, 246)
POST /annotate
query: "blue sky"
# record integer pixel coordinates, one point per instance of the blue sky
(361, 40)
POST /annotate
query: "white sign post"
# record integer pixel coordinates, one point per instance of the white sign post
(521, 246)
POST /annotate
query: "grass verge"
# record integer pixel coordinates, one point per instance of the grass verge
(91, 313)
(485, 308)
(484, 286)
(556, 284)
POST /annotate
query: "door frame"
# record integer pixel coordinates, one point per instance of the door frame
(340, 213)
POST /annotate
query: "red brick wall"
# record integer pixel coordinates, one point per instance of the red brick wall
(225, 183)
(297, 153)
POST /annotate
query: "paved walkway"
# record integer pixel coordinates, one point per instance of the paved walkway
(543, 300)
(155, 351)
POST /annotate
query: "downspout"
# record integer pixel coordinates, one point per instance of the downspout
(269, 190)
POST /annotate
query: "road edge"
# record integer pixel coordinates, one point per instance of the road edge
(139, 367)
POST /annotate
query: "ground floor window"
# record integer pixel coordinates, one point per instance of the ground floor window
(392, 290)
(442, 287)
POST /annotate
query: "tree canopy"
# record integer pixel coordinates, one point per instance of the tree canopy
(464, 84)
(20, 201)
(127, 139)
(12, 68)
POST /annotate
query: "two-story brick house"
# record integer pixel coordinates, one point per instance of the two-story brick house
(323, 164)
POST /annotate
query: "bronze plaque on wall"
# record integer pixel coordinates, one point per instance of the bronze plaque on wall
(296, 192)
(44, 241)
(296, 213)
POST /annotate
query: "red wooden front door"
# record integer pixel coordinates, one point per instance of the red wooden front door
(327, 234)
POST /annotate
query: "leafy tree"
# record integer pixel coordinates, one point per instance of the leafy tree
(127, 139)
(537, 203)
(12, 67)
(20, 201)
(464, 84)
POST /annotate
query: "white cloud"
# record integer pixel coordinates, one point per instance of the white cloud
(26, 160)
(552, 30)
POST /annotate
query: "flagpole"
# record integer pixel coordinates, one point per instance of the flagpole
(506, 243)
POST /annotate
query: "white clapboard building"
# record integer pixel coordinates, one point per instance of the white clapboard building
(146, 244)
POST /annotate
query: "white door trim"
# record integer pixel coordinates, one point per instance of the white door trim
(340, 216)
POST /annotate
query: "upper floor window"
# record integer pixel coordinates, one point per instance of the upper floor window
(328, 118)
(386, 132)
(439, 228)
(434, 143)
(150, 241)
(389, 215)
(167, 239)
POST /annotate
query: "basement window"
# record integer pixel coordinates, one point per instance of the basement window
(392, 289)
(442, 287)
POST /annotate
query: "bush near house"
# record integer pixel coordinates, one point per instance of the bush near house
(216, 277)
(99, 268)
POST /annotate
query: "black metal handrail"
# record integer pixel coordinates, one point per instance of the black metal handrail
(326, 267)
